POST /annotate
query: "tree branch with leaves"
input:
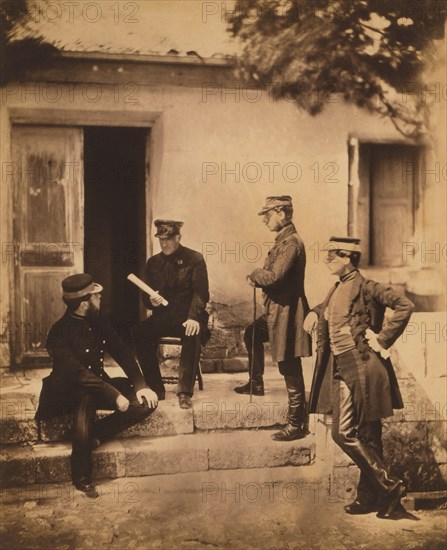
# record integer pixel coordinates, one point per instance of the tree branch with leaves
(20, 47)
(368, 52)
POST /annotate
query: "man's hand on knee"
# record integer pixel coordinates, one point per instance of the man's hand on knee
(150, 396)
(191, 327)
(122, 404)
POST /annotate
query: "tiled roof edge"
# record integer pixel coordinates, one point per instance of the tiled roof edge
(150, 58)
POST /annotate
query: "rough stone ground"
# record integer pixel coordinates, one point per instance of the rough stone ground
(276, 508)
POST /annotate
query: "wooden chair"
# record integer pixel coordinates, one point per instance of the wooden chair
(174, 341)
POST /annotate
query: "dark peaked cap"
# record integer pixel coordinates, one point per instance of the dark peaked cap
(275, 202)
(167, 228)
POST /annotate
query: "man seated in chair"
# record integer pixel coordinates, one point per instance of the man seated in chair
(79, 384)
(180, 276)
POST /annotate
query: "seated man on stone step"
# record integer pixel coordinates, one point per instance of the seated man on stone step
(78, 383)
(179, 274)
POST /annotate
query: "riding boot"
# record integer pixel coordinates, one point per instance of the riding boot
(256, 384)
(296, 417)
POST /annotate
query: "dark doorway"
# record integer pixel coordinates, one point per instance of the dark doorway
(115, 229)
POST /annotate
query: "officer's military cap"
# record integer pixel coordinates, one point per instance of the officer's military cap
(167, 228)
(348, 244)
(275, 202)
(79, 285)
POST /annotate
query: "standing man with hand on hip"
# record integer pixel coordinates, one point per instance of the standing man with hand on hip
(354, 378)
(79, 384)
(179, 274)
(285, 307)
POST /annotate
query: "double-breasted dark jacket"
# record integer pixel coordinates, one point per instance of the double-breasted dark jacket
(285, 302)
(182, 279)
(376, 375)
(77, 346)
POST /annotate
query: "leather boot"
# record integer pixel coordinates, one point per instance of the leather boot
(391, 501)
(257, 387)
(87, 488)
(358, 507)
(184, 401)
(371, 465)
(294, 429)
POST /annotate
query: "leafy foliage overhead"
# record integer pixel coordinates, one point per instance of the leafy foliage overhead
(369, 51)
(16, 54)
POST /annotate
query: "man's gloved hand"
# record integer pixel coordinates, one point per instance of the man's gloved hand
(374, 344)
(156, 300)
(150, 396)
(310, 322)
(122, 403)
(250, 281)
(191, 327)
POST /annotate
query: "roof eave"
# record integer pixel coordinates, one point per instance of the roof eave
(167, 59)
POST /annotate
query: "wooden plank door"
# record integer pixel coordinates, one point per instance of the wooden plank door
(392, 198)
(48, 229)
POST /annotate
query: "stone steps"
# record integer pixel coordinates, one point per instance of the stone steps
(195, 452)
(18, 425)
(218, 407)
(223, 430)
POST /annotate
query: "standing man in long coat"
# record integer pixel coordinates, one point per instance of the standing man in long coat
(285, 307)
(354, 378)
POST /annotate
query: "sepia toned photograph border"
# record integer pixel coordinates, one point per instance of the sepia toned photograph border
(223, 272)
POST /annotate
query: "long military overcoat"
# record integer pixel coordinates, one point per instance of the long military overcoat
(285, 302)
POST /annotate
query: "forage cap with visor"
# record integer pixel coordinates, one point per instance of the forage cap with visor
(345, 244)
(167, 228)
(275, 202)
(79, 285)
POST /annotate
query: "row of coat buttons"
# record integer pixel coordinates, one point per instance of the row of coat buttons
(90, 368)
(87, 350)
(102, 351)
